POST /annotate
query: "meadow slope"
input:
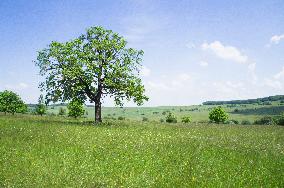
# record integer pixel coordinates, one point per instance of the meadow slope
(57, 152)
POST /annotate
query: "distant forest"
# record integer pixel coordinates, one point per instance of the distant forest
(248, 101)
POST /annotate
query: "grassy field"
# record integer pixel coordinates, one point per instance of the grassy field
(199, 113)
(60, 152)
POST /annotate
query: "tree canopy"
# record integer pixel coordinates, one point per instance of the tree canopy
(90, 67)
(10, 102)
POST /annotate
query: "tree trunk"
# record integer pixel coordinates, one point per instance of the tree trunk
(98, 111)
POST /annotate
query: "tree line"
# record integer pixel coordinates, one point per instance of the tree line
(248, 101)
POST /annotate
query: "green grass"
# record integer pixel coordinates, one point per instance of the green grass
(57, 152)
(199, 113)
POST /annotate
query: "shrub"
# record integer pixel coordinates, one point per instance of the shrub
(280, 120)
(171, 118)
(266, 120)
(186, 119)
(62, 111)
(232, 122)
(75, 108)
(267, 103)
(162, 120)
(235, 121)
(245, 122)
(236, 110)
(144, 119)
(164, 113)
(155, 112)
(10, 102)
(121, 118)
(218, 115)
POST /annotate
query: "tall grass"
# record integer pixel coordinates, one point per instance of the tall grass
(55, 152)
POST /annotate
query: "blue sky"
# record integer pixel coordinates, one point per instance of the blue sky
(194, 50)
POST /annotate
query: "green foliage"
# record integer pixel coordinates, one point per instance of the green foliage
(76, 108)
(41, 107)
(266, 120)
(280, 120)
(10, 102)
(249, 101)
(121, 118)
(246, 122)
(162, 120)
(96, 64)
(170, 118)
(62, 111)
(186, 119)
(145, 119)
(218, 115)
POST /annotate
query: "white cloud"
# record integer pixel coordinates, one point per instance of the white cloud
(203, 63)
(273, 83)
(183, 77)
(190, 45)
(276, 38)
(19, 86)
(277, 80)
(280, 74)
(225, 52)
(251, 70)
(145, 71)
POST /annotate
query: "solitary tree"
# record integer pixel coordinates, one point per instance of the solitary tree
(41, 107)
(10, 102)
(92, 66)
(218, 115)
(76, 108)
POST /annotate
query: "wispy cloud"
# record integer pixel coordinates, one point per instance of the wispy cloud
(225, 52)
(19, 86)
(145, 71)
(203, 64)
(279, 75)
(276, 39)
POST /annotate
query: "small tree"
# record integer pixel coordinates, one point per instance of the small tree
(62, 111)
(10, 102)
(218, 115)
(170, 118)
(186, 119)
(41, 107)
(76, 108)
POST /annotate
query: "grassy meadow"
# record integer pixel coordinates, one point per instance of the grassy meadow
(52, 151)
(198, 113)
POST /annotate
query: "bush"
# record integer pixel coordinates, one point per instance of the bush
(10, 102)
(121, 118)
(267, 103)
(266, 120)
(41, 107)
(235, 121)
(144, 119)
(186, 119)
(76, 108)
(245, 122)
(171, 118)
(232, 122)
(280, 120)
(218, 115)
(62, 111)
(162, 120)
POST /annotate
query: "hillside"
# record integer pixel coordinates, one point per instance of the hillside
(264, 100)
